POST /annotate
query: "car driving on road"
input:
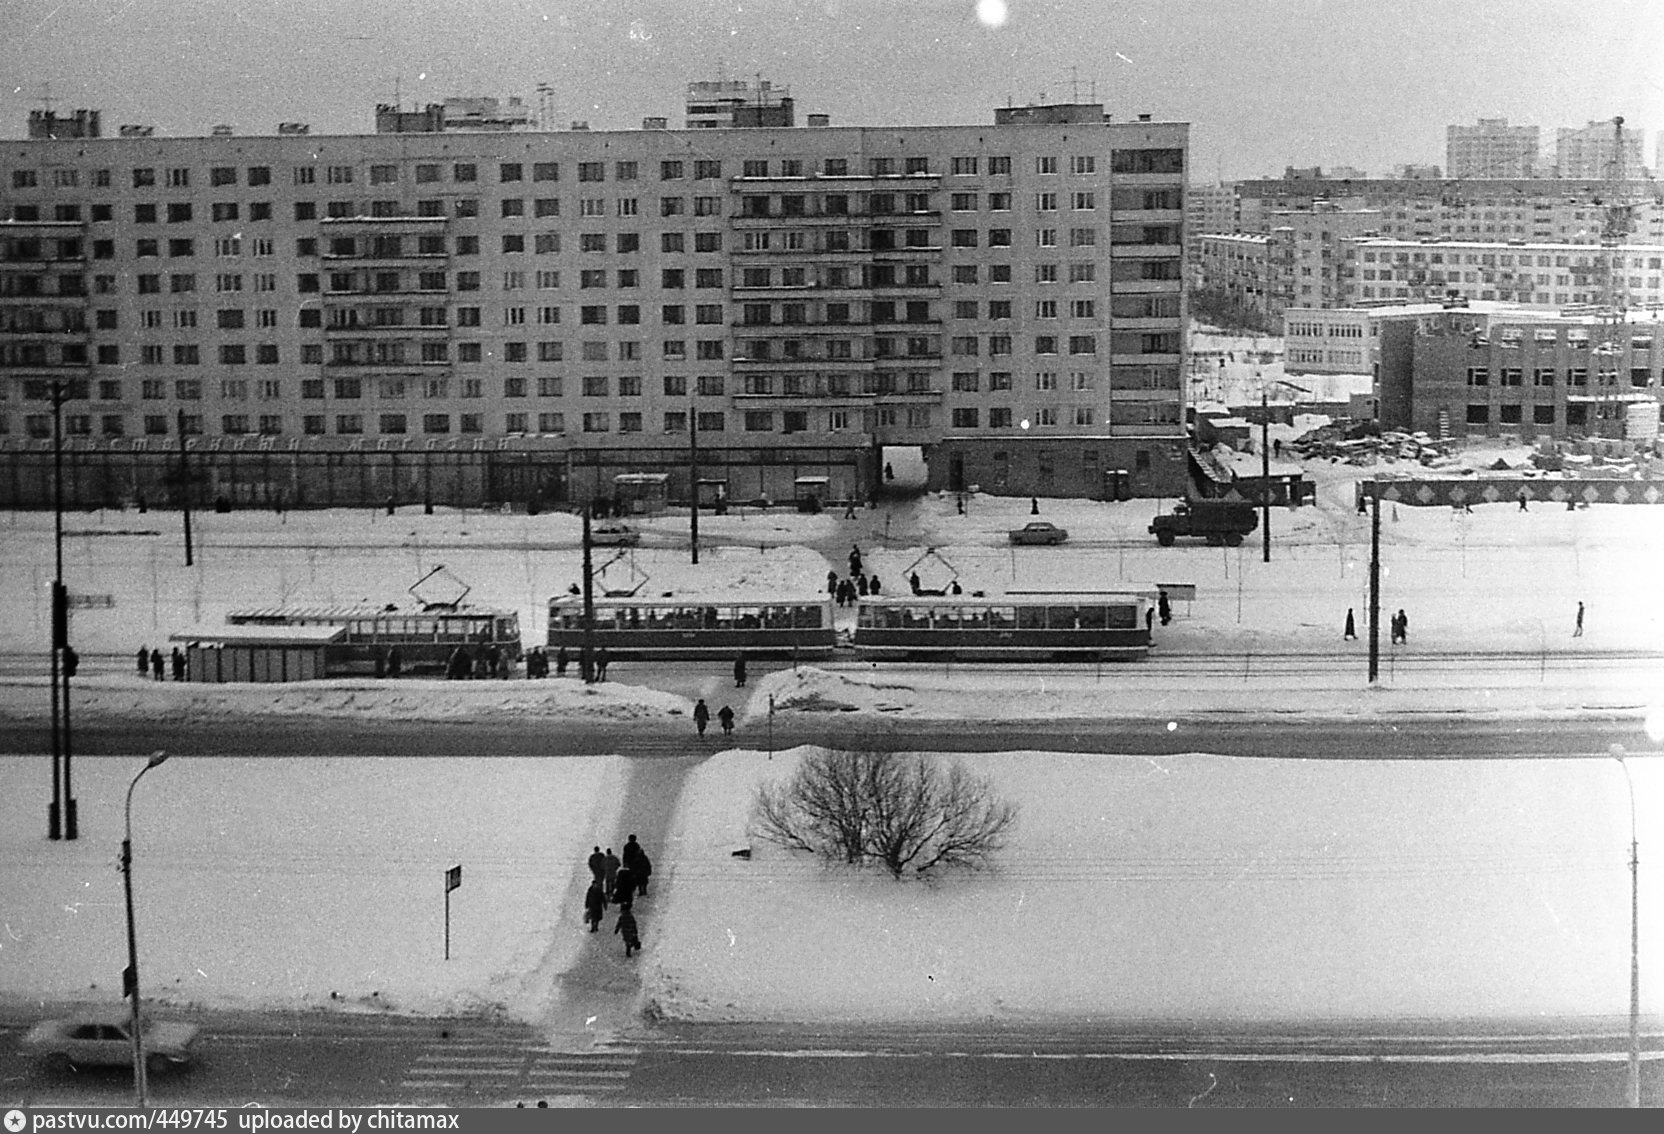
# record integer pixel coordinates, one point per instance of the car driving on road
(614, 535)
(1039, 531)
(105, 1040)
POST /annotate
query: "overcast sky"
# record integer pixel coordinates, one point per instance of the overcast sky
(1264, 83)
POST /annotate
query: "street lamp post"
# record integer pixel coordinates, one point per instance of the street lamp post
(131, 983)
(1634, 939)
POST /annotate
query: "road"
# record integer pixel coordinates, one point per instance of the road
(292, 1060)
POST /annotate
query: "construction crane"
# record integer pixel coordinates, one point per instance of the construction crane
(1611, 400)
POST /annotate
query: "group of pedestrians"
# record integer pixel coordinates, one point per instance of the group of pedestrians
(845, 592)
(617, 881)
(487, 662)
(153, 663)
(702, 718)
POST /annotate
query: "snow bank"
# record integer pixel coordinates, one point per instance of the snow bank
(1187, 887)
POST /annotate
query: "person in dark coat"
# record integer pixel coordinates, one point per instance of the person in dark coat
(739, 672)
(595, 906)
(626, 927)
(178, 664)
(630, 853)
(726, 716)
(1578, 632)
(156, 664)
(701, 716)
(624, 887)
(602, 660)
(832, 582)
(854, 559)
(1164, 608)
(913, 581)
(1351, 627)
(395, 661)
(609, 876)
(598, 865)
(872, 583)
(561, 662)
(144, 661)
(1149, 620)
(642, 869)
(1034, 505)
(861, 585)
(459, 665)
(955, 589)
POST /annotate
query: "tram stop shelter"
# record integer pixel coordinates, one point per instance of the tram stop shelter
(642, 494)
(219, 654)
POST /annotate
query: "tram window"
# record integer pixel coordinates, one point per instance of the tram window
(1093, 617)
(751, 618)
(1060, 618)
(1002, 617)
(1031, 617)
(893, 617)
(1123, 617)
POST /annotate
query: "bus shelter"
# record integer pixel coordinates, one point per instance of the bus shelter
(641, 494)
(220, 654)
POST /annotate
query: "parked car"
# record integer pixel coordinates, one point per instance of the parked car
(614, 535)
(104, 1040)
(1039, 531)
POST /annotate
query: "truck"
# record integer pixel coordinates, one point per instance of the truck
(1218, 521)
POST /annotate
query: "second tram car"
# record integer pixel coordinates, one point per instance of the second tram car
(1082, 626)
(427, 637)
(633, 628)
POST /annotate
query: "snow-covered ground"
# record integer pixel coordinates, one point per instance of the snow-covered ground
(1192, 885)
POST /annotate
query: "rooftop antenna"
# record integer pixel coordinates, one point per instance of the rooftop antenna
(398, 92)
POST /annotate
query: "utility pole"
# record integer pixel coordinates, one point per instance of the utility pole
(1375, 583)
(185, 486)
(586, 656)
(1265, 469)
(693, 477)
(60, 609)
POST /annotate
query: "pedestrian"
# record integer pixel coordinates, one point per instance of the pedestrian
(1571, 505)
(1578, 633)
(1164, 607)
(602, 659)
(861, 585)
(631, 853)
(1034, 505)
(643, 869)
(955, 589)
(595, 907)
(156, 664)
(1149, 620)
(598, 864)
(1523, 508)
(854, 559)
(872, 584)
(624, 887)
(626, 928)
(395, 661)
(701, 716)
(562, 660)
(889, 471)
(726, 716)
(913, 581)
(846, 593)
(609, 873)
(178, 664)
(849, 508)
(144, 661)
(832, 583)
(1351, 627)
(482, 666)
(739, 672)
(960, 501)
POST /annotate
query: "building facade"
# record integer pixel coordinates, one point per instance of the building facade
(1525, 376)
(1491, 148)
(1007, 298)
(1598, 150)
(1515, 271)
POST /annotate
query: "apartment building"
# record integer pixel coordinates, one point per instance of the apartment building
(1491, 148)
(1007, 298)
(1209, 208)
(1516, 271)
(1600, 149)
(1347, 340)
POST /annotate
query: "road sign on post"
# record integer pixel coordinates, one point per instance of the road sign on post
(453, 879)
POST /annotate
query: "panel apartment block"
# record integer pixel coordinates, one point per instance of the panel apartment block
(797, 295)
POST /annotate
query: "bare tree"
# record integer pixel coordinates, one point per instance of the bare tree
(905, 812)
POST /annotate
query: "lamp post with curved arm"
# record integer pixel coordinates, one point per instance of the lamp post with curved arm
(1634, 940)
(132, 976)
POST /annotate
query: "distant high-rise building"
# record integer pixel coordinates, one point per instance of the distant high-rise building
(454, 114)
(1492, 148)
(1589, 151)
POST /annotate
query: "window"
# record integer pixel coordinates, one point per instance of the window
(707, 207)
(759, 421)
(513, 206)
(551, 422)
(707, 242)
(1083, 163)
(963, 238)
(597, 421)
(1045, 165)
(707, 277)
(592, 171)
(1478, 414)
(1083, 200)
(999, 238)
(964, 166)
(1479, 376)
(1045, 202)
(1083, 344)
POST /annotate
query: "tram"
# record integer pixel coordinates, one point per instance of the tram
(1062, 626)
(427, 636)
(632, 628)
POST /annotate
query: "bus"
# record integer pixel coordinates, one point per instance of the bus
(1079, 626)
(633, 628)
(427, 636)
